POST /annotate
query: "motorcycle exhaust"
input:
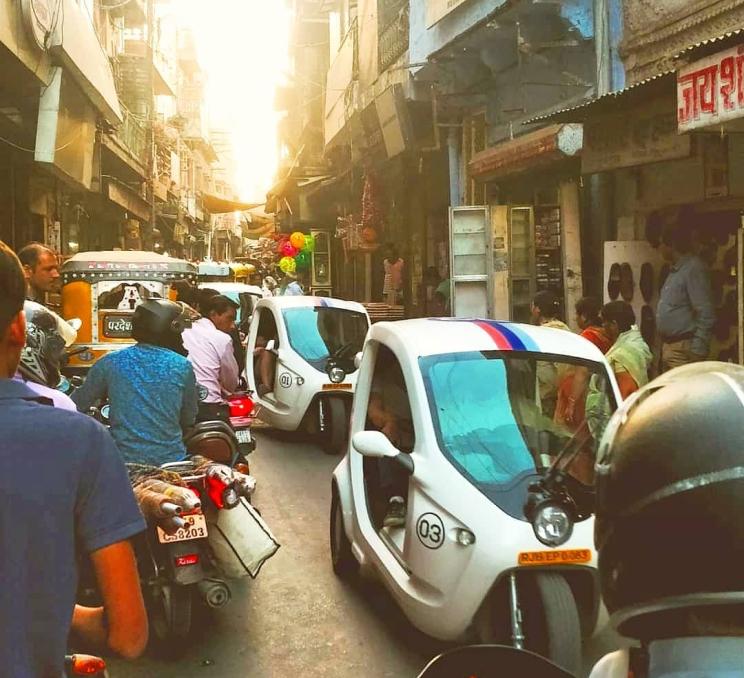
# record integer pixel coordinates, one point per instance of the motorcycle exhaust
(215, 593)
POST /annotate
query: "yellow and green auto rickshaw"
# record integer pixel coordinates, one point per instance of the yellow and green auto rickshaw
(102, 289)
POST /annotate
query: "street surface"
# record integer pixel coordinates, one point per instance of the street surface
(297, 618)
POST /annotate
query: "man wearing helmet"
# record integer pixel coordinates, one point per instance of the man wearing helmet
(670, 493)
(150, 386)
(41, 357)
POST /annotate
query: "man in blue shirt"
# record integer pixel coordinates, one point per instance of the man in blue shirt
(62, 487)
(151, 386)
(685, 314)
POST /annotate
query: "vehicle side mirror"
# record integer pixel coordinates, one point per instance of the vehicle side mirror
(358, 360)
(271, 345)
(377, 445)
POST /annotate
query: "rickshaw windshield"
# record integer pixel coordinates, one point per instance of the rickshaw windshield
(499, 416)
(317, 333)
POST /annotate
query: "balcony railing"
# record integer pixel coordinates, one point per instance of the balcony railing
(393, 39)
(133, 134)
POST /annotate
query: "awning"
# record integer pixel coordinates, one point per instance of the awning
(711, 45)
(538, 148)
(214, 204)
(656, 84)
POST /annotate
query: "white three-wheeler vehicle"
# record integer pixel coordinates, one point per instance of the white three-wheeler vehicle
(313, 342)
(484, 434)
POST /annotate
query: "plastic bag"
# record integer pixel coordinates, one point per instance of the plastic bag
(241, 541)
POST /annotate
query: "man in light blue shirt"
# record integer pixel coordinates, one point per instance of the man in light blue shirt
(150, 386)
(685, 314)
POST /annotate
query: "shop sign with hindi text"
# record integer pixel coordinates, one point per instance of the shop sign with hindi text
(711, 91)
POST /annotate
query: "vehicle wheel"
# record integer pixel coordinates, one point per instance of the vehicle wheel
(344, 563)
(336, 426)
(170, 617)
(552, 626)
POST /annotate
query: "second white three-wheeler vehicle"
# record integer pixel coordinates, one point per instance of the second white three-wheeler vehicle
(468, 481)
(304, 372)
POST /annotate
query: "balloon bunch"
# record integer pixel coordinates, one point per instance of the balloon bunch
(295, 251)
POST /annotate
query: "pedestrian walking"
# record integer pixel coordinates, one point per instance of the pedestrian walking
(629, 356)
(392, 288)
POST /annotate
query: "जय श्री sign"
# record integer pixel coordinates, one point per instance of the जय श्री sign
(711, 90)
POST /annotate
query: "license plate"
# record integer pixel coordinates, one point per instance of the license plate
(243, 435)
(566, 557)
(196, 528)
(336, 387)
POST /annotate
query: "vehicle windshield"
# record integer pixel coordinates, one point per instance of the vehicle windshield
(317, 333)
(501, 416)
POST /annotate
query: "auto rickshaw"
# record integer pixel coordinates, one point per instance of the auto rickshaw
(104, 288)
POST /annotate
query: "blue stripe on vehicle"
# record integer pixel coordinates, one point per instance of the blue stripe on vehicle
(520, 340)
(324, 303)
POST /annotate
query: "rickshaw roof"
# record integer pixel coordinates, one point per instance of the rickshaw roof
(214, 268)
(435, 336)
(119, 264)
(235, 288)
(312, 302)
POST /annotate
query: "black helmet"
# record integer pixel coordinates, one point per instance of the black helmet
(161, 322)
(47, 336)
(670, 501)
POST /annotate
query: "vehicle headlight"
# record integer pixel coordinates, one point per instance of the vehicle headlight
(465, 537)
(552, 525)
(336, 375)
(230, 497)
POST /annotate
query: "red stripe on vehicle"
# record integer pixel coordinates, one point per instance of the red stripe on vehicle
(502, 343)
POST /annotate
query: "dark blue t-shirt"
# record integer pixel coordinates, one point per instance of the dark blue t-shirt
(63, 486)
(153, 397)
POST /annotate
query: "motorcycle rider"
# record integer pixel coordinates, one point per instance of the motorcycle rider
(670, 492)
(42, 355)
(212, 356)
(150, 386)
(62, 487)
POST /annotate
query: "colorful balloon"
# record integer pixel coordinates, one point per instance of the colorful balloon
(287, 265)
(309, 243)
(302, 260)
(288, 250)
(298, 240)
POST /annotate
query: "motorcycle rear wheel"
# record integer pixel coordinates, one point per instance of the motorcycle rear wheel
(170, 617)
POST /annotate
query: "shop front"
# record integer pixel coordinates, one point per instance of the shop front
(527, 238)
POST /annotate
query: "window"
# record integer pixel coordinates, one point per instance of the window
(499, 418)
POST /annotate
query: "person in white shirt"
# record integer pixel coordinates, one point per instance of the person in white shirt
(211, 354)
(291, 287)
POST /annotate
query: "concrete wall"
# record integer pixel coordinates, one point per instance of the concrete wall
(425, 41)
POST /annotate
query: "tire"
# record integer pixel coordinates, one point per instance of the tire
(170, 616)
(336, 426)
(344, 563)
(551, 620)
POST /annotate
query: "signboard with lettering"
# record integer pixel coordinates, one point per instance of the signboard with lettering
(436, 10)
(711, 91)
(117, 326)
(621, 140)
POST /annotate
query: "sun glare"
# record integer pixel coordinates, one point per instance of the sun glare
(243, 49)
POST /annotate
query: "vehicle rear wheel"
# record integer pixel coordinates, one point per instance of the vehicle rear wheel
(345, 565)
(170, 617)
(552, 626)
(335, 425)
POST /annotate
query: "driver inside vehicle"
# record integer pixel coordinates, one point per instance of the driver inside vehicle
(264, 361)
(389, 412)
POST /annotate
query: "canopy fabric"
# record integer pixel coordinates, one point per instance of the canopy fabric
(214, 204)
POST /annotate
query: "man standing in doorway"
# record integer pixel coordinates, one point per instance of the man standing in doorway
(41, 269)
(685, 314)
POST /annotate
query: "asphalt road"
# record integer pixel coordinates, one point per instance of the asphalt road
(297, 618)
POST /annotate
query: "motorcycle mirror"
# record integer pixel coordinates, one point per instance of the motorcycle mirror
(491, 661)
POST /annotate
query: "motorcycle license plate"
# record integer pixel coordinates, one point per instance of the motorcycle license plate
(196, 528)
(243, 435)
(565, 557)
